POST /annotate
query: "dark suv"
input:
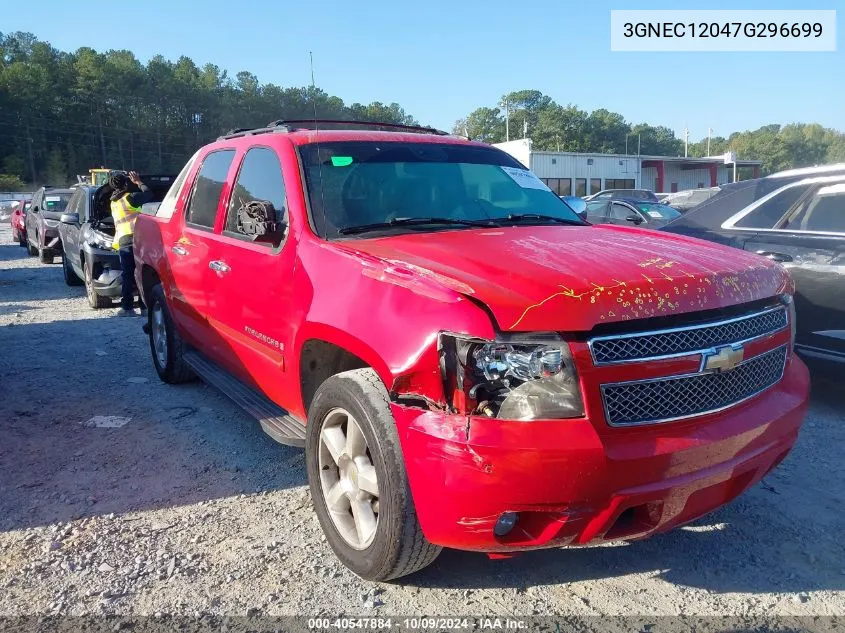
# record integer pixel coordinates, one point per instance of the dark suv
(42, 222)
(87, 232)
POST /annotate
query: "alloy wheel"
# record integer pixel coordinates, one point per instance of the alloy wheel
(158, 331)
(348, 479)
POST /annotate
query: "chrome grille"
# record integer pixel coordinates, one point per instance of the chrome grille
(687, 340)
(665, 399)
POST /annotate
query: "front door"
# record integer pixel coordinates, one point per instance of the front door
(255, 274)
(810, 243)
(192, 247)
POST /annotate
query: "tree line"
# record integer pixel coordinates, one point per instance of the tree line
(554, 127)
(62, 113)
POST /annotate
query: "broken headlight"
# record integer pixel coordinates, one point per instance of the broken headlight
(517, 377)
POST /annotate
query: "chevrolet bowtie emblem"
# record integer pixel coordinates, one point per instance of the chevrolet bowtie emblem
(722, 358)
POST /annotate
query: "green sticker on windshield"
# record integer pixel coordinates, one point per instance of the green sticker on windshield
(341, 161)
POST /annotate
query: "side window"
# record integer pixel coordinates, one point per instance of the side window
(767, 214)
(202, 207)
(596, 211)
(259, 180)
(620, 211)
(73, 205)
(825, 211)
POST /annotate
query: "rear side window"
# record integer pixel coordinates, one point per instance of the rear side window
(824, 212)
(259, 179)
(767, 214)
(202, 207)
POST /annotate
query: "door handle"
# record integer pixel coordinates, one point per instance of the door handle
(219, 266)
(179, 250)
(775, 256)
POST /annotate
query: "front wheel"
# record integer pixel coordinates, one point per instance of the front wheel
(94, 300)
(71, 278)
(166, 344)
(358, 480)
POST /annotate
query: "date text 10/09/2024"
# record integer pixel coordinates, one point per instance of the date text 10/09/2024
(419, 624)
(726, 29)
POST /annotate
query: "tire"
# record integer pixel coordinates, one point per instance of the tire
(71, 278)
(397, 547)
(170, 366)
(94, 300)
(30, 249)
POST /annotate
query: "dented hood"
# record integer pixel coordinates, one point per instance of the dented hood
(570, 278)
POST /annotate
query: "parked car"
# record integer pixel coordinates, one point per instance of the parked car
(42, 222)
(17, 220)
(627, 211)
(466, 362)
(87, 233)
(615, 194)
(683, 201)
(800, 224)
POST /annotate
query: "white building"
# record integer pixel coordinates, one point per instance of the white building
(571, 173)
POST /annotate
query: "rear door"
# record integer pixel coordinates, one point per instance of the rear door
(192, 283)
(254, 280)
(33, 215)
(810, 242)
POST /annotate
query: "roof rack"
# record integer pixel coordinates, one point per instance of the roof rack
(292, 125)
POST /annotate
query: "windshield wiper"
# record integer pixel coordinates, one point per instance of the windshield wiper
(389, 224)
(517, 217)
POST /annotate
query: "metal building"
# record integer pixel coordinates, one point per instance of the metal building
(571, 173)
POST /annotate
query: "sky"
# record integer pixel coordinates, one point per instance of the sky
(441, 59)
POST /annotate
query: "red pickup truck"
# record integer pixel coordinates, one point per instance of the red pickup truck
(467, 363)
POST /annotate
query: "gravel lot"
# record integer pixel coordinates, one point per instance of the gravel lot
(189, 507)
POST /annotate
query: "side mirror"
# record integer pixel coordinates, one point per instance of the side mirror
(34, 209)
(576, 204)
(634, 218)
(69, 218)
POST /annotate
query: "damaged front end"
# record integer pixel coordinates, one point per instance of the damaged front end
(520, 377)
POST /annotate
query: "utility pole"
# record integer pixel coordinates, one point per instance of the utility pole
(686, 142)
(507, 121)
(639, 162)
(525, 128)
(102, 138)
(709, 133)
(29, 147)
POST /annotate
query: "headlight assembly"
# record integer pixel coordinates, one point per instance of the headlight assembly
(789, 302)
(51, 223)
(516, 377)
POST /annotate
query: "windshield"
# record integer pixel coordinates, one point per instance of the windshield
(355, 184)
(658, 212)
(56, 201)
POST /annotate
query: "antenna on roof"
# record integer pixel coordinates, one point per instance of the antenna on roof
(311, 55)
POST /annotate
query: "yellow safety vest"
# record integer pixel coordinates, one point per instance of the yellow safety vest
(124, 215)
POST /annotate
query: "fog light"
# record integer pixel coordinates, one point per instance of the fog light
(505, 523)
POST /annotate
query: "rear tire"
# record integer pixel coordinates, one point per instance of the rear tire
(71, 278)
(379, 536)
(30, 249)
(94, 300)
(166, 344)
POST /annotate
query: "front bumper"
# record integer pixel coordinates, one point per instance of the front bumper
(50, 240)
(575, 482)
(106, 271)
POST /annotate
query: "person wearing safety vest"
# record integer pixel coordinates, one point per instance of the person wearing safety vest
(125, 206)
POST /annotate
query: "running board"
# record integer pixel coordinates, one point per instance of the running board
(276, 422)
